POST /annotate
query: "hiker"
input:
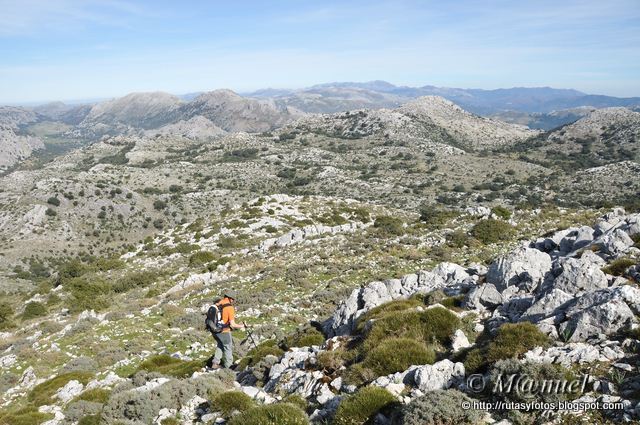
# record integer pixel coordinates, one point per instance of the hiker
(221, 328)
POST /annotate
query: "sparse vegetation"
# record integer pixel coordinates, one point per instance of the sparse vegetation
(277, 413)
(361, 407)
(492, 231)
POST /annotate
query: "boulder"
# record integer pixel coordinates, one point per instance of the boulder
(438, 376)
(459, 341)
(578, 275)
(593, 317)
(69, 391)
(615, 242)
(451, 273)
(549, 304)
(525, 268)
(485, 295)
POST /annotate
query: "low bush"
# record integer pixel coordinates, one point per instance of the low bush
(78, 410)
(260, 352)
(87, 294)
(388, 308)
(272, 414)
(515, 339)
(491, 231)
(619, 267)
(391, 226)
(42, 393)
(171, 366)
(299, 401)
(80, 364)
(434, 216)
(201, 257)
(134, 280)
(474, 360)
(231, 402)
(97, 395)
(439, 407)
(34, 309)
(6, 313)
(303, 337)
(360, 408)
(501, 212)
(539, 373)
(396, 355)
(25, 416)
(90, 420)
(433, 326)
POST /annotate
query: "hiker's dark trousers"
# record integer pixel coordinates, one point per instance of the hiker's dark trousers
(224, 351)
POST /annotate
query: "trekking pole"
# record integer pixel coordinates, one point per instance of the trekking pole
(250, 335)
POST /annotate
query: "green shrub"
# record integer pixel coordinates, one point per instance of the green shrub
(501, 212)
(396, 355)
(535, 372)
(362, 407)
(299, 401)
(34, 309)
(42, 393)
(134, 280)
(491, 231)
(106, 264)
(515, 339)
(229, 402)
(619, 266)
(97, 395)
(201, 257)
(72, 269)
(171, 366)
(51, 212)
(474, 360)
(87, 294)
(387, 308)
(435, 325)
(439, 407)
(53, 201)
(303, 337)
(6, 313)
(272, 414)
(260, 352)
(25, 416)
(434, 216)
(90, 420)
(387, 225)
(159, 204)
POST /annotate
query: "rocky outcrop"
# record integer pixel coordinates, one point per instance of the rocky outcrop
(361, 300)
(564, 290)
(298, 235)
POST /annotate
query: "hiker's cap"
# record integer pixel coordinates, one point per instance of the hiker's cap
(230, 293)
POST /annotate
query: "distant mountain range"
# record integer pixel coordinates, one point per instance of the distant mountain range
(538, 107)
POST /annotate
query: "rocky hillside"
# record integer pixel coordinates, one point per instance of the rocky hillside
(139, 110)
(391, 332)
(232, 112)
(15, 148)
(603, 136)
(470, 130)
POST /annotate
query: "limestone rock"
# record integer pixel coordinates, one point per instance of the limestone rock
(69, 391)
(523, 267)
(440, 375)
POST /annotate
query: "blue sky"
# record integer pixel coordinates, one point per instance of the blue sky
(82, 49)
